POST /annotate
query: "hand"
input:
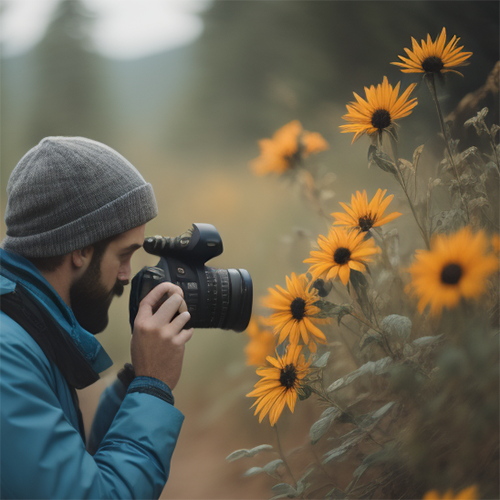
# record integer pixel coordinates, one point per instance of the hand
(158, 340)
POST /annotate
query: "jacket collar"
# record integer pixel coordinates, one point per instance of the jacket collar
(17, 269)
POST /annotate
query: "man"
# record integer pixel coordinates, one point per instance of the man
(75, 215)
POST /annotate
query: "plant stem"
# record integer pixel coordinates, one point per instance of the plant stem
(403, 185)
(282, 455)
(431, 83)
(318, 461)
(348, 347)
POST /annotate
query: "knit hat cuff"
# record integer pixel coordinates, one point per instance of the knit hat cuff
(133, 209)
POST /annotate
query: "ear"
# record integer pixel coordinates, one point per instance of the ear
(81, 258)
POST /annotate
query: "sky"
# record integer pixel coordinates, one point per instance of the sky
(124, 29)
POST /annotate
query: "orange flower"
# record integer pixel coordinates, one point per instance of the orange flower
(340, 252)
(362, 215)
(495, 243)
(470, 493)
(457, 266)
(288, 146)
(380, 110)
(279, 384)
(262, 343)
(434, 57)
(294, 312)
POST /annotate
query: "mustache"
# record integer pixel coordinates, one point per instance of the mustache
(119, 287)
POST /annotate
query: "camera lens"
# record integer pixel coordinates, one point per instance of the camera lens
(229, 298)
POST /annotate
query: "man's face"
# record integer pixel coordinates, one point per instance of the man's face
(92, 293)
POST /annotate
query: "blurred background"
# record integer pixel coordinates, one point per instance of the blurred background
(184, 89)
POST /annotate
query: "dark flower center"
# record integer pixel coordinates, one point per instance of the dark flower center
(293, 158)
(288, 376)
(298, 308)
(342, 255)
(432, 64)
(365, 223)
(451, 274)
(381, 119)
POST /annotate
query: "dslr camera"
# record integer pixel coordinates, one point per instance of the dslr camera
(216, 298)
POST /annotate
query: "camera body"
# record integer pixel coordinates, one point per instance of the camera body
(216, 298)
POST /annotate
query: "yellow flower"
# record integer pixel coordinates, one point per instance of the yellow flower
(279, 383)
(434, 57)
(495, 243)
(457, 266)
(470, 493)
(261, 344)
(362, 215)
(288, 145)
(340, 252)
(378, 112)
(295, 310)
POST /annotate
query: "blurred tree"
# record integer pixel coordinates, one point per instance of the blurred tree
(69, 94)
(260, 64)
(6, 156)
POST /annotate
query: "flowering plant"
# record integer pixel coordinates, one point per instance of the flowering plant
(417, 413)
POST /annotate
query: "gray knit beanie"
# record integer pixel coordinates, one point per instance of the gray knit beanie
(69, 192)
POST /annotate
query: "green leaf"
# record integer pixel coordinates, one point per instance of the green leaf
(304, 392)
(322, 361)
(426, 341)
(369, 337)
(271, 467)
(331, 310)
(384, 162)
(372, 367)
(478, 122)
(337, 454)
(319, 428)
(371, 150)
(397, 329)
(301, 484)
(360, 285)
(284, 490)
(416, 156)
(376, 416)
(236, 455)
(367, 423)
(253, 471)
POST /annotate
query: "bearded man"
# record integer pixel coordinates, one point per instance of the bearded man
(76, 213)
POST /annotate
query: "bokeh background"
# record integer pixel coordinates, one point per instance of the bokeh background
(184, 89)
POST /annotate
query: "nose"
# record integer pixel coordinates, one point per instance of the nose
(124, 273)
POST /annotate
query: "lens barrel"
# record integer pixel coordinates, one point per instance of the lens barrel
(229, 295)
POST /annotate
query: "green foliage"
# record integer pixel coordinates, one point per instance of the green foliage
(236, 455)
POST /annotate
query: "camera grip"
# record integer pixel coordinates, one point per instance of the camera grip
(142, 284)
(152, 276)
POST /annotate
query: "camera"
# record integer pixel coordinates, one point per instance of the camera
(216, 298)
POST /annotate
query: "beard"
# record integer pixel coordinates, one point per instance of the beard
(90, 299)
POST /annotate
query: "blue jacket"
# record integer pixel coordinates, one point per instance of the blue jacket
(43, 452)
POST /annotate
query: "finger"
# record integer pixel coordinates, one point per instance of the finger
(183, 307)
(179, 322)
(183, 336)
(150, 301)
(168, 310)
